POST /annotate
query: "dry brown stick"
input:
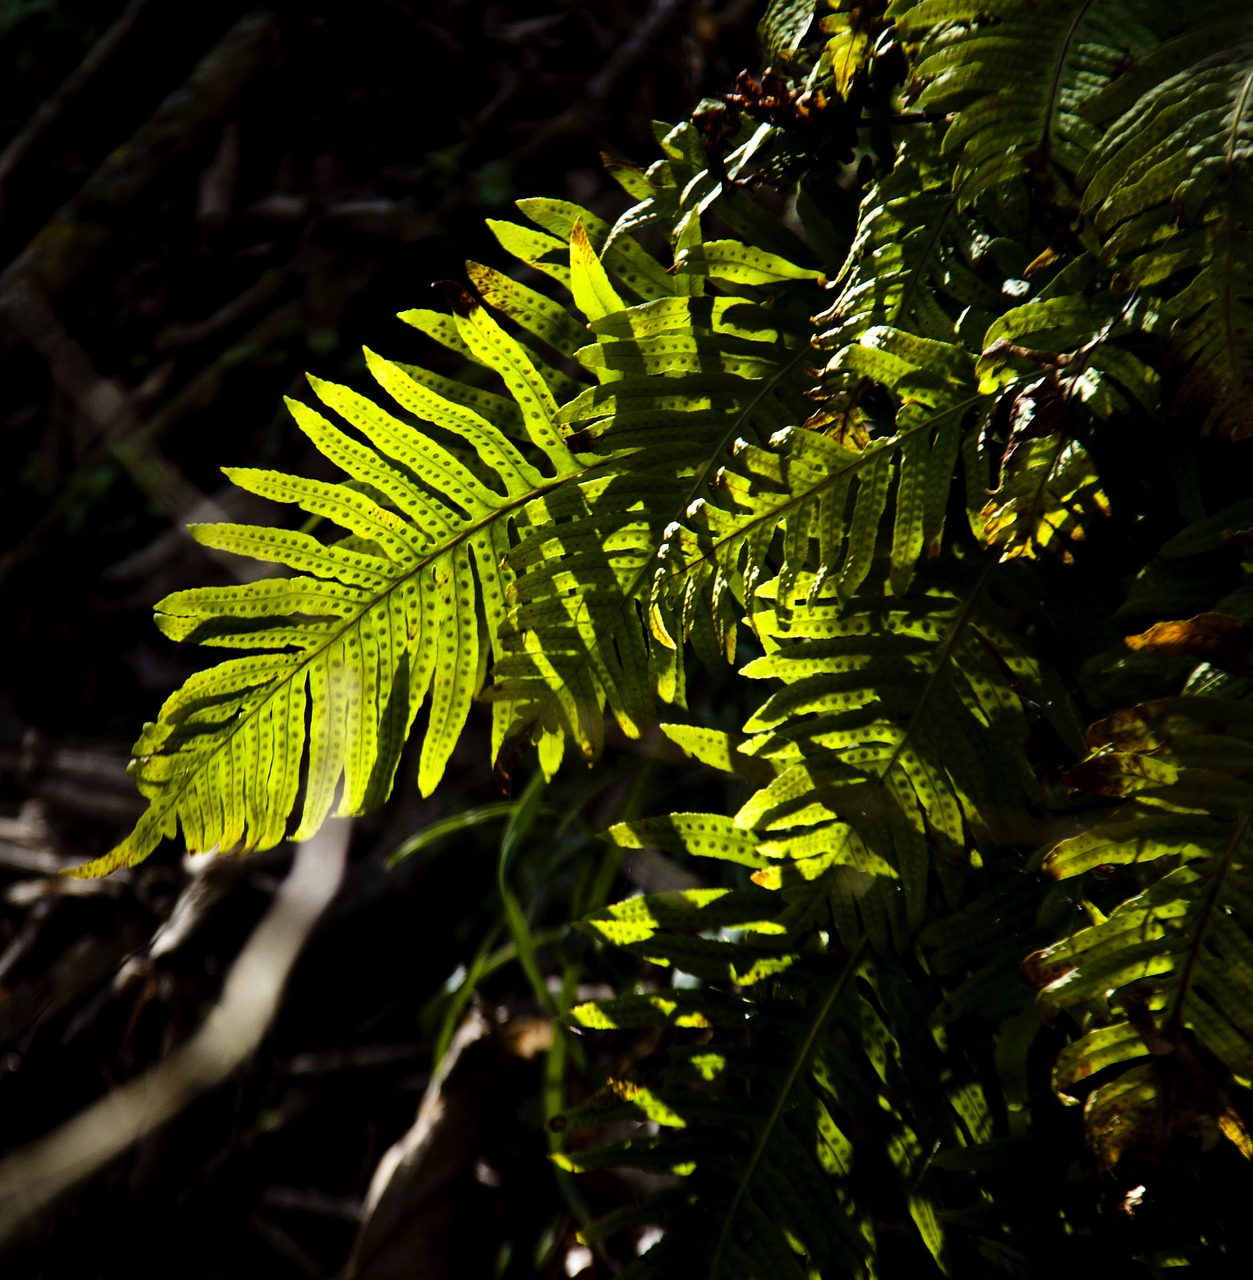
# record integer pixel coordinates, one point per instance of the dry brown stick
(256, 295)
(650, 28)
(64, 249)
(31, 1179)
(110, 415)
(103, 403)
(134, 444)
(73, 85)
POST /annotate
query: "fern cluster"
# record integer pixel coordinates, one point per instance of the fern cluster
(916, 382)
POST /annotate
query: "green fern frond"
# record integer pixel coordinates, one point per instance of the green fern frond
(777, 1114)
(1048, 492)
(916, 262)
(374, 626)
(687, 184)
(681, 380)
(807, 503)
(767, 1165)
(1162, 986)
(1015, 79)
(1080, 343)
(1170, 194)
(783, 28)
(440, 528)
(851, 35)
(890, 736)
(888, 746)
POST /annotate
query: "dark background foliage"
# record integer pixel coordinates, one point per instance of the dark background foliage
(197, 204)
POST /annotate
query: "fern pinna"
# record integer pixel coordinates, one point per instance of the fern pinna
(913, 504)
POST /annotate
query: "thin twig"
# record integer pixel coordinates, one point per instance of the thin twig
(72, 86)
(596, 92)
(62, 251)
(31, 1179)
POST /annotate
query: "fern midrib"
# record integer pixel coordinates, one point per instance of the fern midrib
(462, 536)
(793, 500)
(1234, 348)
(917, 275)
(732, 431)
(1038, 503)
(943, 654)
(799, 1061)
(1059, 63)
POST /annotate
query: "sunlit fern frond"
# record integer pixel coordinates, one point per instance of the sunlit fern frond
(891, 736)
(806, 1100)
(1048, 493)
(681, 379)
(801, 1099)
(1058, 365)
(1086, 349)
(783, 28)
(1015, 79)
(805, 1108)
(1162, 985)
(917, 262)
(1169, 191)
(852, 33)
(894, 748)
(397, 609)
(689, 182)
(808, 503)
(545, 246)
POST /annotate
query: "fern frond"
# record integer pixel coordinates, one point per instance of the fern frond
(807, 503)
(783, 28)
(890, 735)
(767, 1164)
(771, 1116)
(852, 31)
(548, 249)
(398, 614)
(896, 744)
(681, 380)
(1162, 986)
(916, 262)
(457, 542)
(1080, 343)
(1049, 490)
(1170, 194)
(1015, 79)
(687, 184)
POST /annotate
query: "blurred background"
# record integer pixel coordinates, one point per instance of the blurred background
(197, 204)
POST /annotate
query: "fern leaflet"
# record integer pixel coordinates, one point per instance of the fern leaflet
(1162, 985)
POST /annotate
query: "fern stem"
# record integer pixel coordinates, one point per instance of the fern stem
(1055, 82)
(776, 1112)
(942, 656)
(1231, 333)
(918, 277)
